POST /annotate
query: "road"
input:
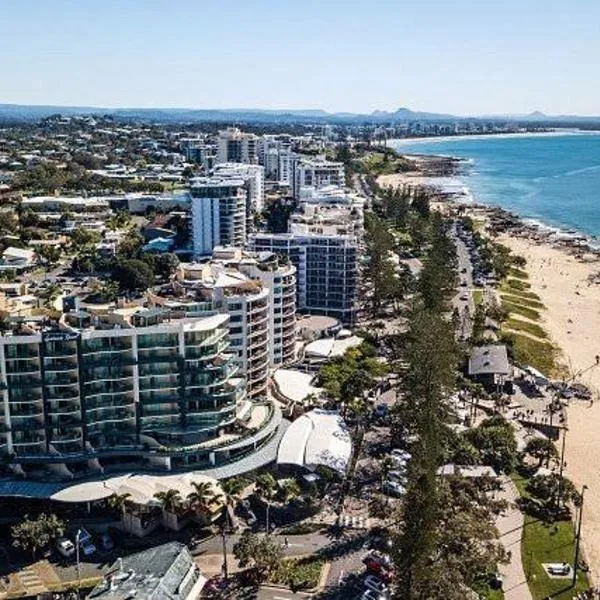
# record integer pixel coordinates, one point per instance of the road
(297, 544)
(466, 307)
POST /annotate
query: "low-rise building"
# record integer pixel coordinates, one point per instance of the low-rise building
(164, 572)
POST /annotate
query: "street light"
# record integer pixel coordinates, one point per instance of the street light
(578, 537)
(77, 537)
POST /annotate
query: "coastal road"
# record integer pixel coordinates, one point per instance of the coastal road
(463, 300)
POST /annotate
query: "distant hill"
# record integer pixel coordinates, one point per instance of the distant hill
(248, 115)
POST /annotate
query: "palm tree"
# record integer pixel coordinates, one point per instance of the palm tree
(170, 500)
(202, 496)
(265, 486)
(230, 497)
(291, 489)
(119, 502)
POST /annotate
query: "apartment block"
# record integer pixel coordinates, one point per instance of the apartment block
(95, 391)
(235, 146)
(219, 213)
(258, 293)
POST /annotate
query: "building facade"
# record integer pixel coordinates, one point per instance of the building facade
(219, 213)
(316, 173)
(258, 293)
(235, 146)
(326, 265)
(94, 391)
(253, 177)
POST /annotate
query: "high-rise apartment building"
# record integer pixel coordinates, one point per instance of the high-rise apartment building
(219, 213)
(316, 173)
(237, 146)
(326, 264)
(259, 296)
(95, 391)
(254, 180)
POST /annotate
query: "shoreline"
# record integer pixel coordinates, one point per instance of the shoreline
(557, 131)
(564, 271)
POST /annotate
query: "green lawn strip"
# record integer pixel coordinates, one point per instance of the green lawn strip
(515, 284)
(523, 301)
(505, 288)
(477, 297)
(528, 351)
(545, 543)
(299, 573)
(524, 311)
(518, 273)
(526, 326)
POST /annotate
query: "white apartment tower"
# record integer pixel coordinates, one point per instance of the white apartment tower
(219, 213)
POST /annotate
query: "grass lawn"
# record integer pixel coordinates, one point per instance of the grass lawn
(477, 297)
(526, 326)
(505, 288)
(515, 284)
(518, 273)
(543, 543)
(523, 301)
(376, 164)
(536, 353)
(300, 573)
(524, 311)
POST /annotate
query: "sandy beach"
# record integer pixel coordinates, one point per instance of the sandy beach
(572, 319)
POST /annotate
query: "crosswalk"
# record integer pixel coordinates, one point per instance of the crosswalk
(354, 522)
(31, 581)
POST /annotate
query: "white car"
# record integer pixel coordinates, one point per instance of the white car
(393, 488)
(65, 547)
(371, 595)
(400, 454)
(375, 584)
(397, 476)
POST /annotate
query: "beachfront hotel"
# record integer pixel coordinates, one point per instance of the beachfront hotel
(128, 388)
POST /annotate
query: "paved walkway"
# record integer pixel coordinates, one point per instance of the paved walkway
(510, 526)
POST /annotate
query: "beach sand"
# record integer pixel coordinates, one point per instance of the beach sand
(572, 319)
(402, 179)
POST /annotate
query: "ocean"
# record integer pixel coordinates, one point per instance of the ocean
(553, 179)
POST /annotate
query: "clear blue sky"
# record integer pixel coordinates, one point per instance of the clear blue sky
(458, 56)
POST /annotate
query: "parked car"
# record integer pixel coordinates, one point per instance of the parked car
(379, 557)
(374, 583)
(401, 454)
(380, 411)
(397, 476)
(65, 547)
(85, 542)
(393, 488)
(369, 594)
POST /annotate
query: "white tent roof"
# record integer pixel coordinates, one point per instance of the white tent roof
(317, 438)
(295, 385)
(141, 488)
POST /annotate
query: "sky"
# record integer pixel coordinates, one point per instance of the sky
(463, 57)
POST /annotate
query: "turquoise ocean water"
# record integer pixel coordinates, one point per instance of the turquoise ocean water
(554, 179)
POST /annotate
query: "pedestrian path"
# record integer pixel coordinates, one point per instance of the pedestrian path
(510, 527)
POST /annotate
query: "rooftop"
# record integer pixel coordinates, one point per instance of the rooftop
(166, 572)
(489, 360)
